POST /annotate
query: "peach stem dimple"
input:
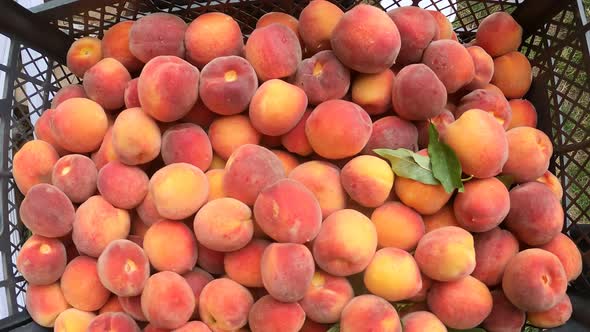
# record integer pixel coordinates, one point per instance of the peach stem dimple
(317, 69)
(230, 76)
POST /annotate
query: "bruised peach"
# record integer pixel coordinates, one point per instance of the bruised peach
(505, 317)
(326, 297)
(230, 132)
(105, 83)
(529, 154)
(41, 260)
(167, 300)
(493, 251)
(47, 211)
(268, 314)
(123, 268)
(33, 164)
(397, 226)
(179, 258)
(136, 137)
(316, 24)
(417, 29)
(568, 253)
(68, 92)
(45, 303)
(451, 62)
(224, 305)
(81, 285)
(157, 34)
(287, 270)
(512, 74)
(418, 94)
(83, 54)
(187, 143)
(322, 77)
(498, 34)
(79, 125)
(369, 312)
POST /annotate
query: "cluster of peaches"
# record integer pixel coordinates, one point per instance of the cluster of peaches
(234, 187)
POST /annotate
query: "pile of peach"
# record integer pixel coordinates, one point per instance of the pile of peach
(233, 187)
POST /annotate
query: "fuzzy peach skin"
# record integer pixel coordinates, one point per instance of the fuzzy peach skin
(230, 132)
(392, 132)
(322, 77)
(484, 67)
(445, 27)
(418, 94)
(493, 251)
(529, 154)
(167, 300)
(112, 305)
(524, 113)
(136, 137)
(41, 260)
(123, 186)
(287, 270)
(105, 83)
(168, 88)
(367, 313)
(483, 204)
(323, 180)
(420, 321)
(76, 176)
(443, 217)
(113, 322)
(68, 92)
(187, 143)
(397, 226)
(157, 34)
(568, 253)
(480, 143)
(393, 275)
(277, 107)
(346, 243)
(281, 18)
(460, 304)
(81, 285)
(555, 316)
(295, 140)
(368, 180)
(273, 51)
(489, 101)
(33, 164)
(243, 265)
(512, 74)
(45, 303)
(536, 216)
(426, 199)
(451, 62)
(417, 29)
(446, 254)
(227, 84)
(179, 190)
(115, 44)
(288, 212)
(326, 297)
(97, 224)
(179, 258)
(268, 314)
(79, 125)
(498, 34)
(224, 224)
(132, 307)
(316, 24)
(43, 130)
(47, 211)
(83, 54)
(210, 36)
(224, 305)
(505, 317)
(366, 39)
(373, 91)
(123, 268)
(534, 280)
(338, 129)
(73, 320)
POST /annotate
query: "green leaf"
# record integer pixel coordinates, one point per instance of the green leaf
(507, 180)
(445, 164)
(404, 164)
(334, 328)
(477, 329)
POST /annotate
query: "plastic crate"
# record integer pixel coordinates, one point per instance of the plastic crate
(556, 42)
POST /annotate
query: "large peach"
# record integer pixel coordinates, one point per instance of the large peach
(210, 36)
(224, 305)
(268, 314)
(393, 275)
(224, 224)
(499, 34)
(316, 24)
(83, 54)
(47, 211)
(287, 270)
(529, 153)
(512, 74)
(568, 253)
(451, 62)
(136, 137)
(322, 77)
(157, 34)
(230, 132)
(366, 313)
(115, 44)
(483, 204)
(417, 29)
(79, 125)
(326, 297)
(81, 285)
(167, 300)
(123, 268)
(123, 186)
(418, 94)
(105, 83)
(505, 317)
(397, 226)
(187, 143)
(180, 257)
(41, 260)
(45, 303)
(493, 251)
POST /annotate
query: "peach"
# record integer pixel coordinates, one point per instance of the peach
(485, 151)
(281, 18)
(227, 84)
(167, 300)
(179, 258)
(210, 260)
(187, 143)
(73, 320)
(33, 164)
(322, 77)
(445, 27)
(367, 180)
(366, 39)
(194, 326)
(243, 265)
(97, 224)
(47, 211)
(524, 114)
(488, 101)
(105, 83)
(498, 34)
(79, 125)
(200, 115)
(210, 36)
(393, 275)
(555, 316)
(529, 153)
(115, 44)
(372, 92)
(316, 24)
(338, 129)
(568, 253)
(230, 132)
(483, 204)
(424, 198)
(273, 51)
(535, 216)
(43, 130)
(484, 67)
(132, 307)
(440, 122)
(224, 305)
(420, 297)
(326, 297)
(311, 326)
(123, 268)
(123, 186)
(106, 151)
(76, 176)
(443, 217)
(505, 317)
(323, 180)
(417, 29)
(68, 92)
(512, 74)
(422, 321)
(470, 298)
(215, 179)
(249, 170)
(41, 260)
(287, 270)
(346, 243)
(418, 94)
(552, 182)
(136, 137)
(288, 212)
(168, 88)
(131, 95)
(493, 251)
(451, 62)
(268, 314)
(224, 224)
(397, 226)
(45, 303)
(392, 132)
(369, 313)
(288, 160)
(295, 140)
(152, 328)
(113, 322)
(81, 285)
(147, 211)
(446, 254)
(112, 305)
(179, 190)
(157, 34)
(83, 54)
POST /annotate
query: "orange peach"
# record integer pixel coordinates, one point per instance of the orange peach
(451, 62)
(443, 217)
(295, 140)
(73, 320)
(422, 321)
(287, 270)
(187, 143)
(68, 92)
(136, 137)
(392, 132)
(105, 83)
(47, 211)
(372, 92)
(157, 34)
(418, 94)
(529, 154)
(499, 34)
(316, 24)
(397, 226)
(230, 132)
(568, 253)
(393, 275)
(79, 125)
(322, 77)
(512, 74)
(445, 27)
(131, 95)
(524, 114)
(505, 317)
(76, 176)
(367, 180)
(167, 300)
(326, 297)
(268, 314)
(210, 36)
(123, 268)
(243, 265)
(33, 164)
(553, 317)
(417, 29)
(179, 258)
(369, 312)
(106, 151)
(489, 101)
(288, 160)
(493, 251)
(123, 186)
(41, 260)
(115, 44)
(45, 303)
(552, 182)
(224, 305)
(83, 54)
(424, 198)
(112, 305)
(224, 224)
(483, 204)
(81, 285)
(113, 322)
(197, 279)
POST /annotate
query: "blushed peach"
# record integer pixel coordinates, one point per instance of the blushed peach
(422, 321)
(524, 114)
(123, 268)
(499, 34)
(505, 317)
(230, 132)
(167, 300)
(68, 92)
(131, 95)
(287, 270)
(420, 297)
(76, 176)
(326, 297)
(105, 83)
(106, 151)
(187, 143)
(45, 303)
(393, 275)
(123, 186)
(83, 54)
(397, 226)
(529, 154)
(147, 211)
(79, 125)
(367, 180)
(445, 27)
(552, 182)
(493, 251)
(47, 211)
(268, 314)
(197, 279)
(295, 140)
(322, 77)
(424, 198)
(112, 305)
(215, 179)
(157, 34)
(136, 137)
(81, 285)
(369, 312)
(243, 265)
(73, 320)
(483, 204)
(224, 224)
(132, 307)
(115, 44)
(224, 305)
(488, 101)
(210, 260)
(512, 74)
(392, 132)
(443, 217)
(113, 322)
(568, 253)
(372, 92)
(281, 18)
(555, 316)
(316, 24)
(194, 326)
(451, 62)
(210, 36)
(41, 260)
(288, 160)
(484, 67)
(33, 164)
(179, 258)
(44, 132)
(417, 29)
(418, 94)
